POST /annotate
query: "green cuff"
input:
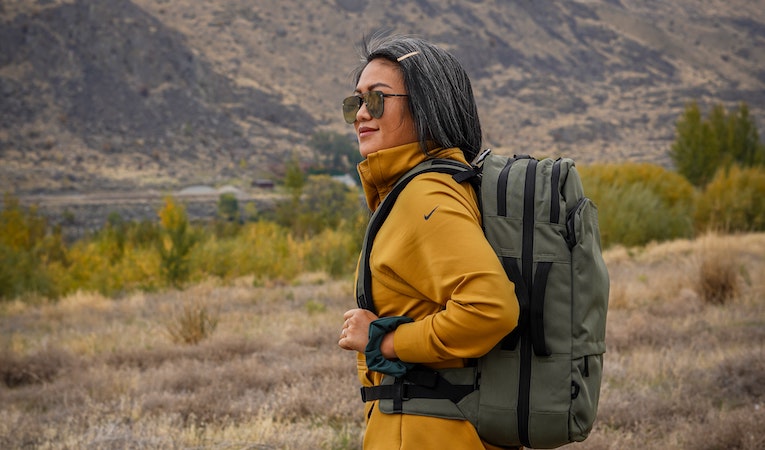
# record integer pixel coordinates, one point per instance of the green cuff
(375, 359)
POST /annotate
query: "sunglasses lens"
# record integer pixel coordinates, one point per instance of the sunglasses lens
(374, 101)
(351, 106)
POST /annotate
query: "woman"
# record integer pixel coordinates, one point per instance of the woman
(430, 261)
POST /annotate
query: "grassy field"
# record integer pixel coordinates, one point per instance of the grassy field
(685, 367)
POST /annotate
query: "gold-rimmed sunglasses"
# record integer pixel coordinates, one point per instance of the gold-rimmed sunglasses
(375, 101)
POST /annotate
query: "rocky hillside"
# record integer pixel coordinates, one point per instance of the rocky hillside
(115, 95)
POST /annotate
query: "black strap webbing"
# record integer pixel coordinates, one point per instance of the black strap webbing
(527, 248)
(555, 193)
(364, 299)
(502, 188)
(401, 390)
(510, 342)
(538, 307)
(454, 168)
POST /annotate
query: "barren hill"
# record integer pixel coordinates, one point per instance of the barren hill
(113, 95)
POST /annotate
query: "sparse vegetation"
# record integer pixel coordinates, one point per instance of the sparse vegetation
(94, 372)
(318, 225)
(316, 230)
(93, 333)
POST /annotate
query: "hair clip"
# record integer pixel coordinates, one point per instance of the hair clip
(401, 58)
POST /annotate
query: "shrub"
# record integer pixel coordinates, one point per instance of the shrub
(116, 259)
(21, 272)
(639, 203)
(112, 237)
(332, 251)
(21, 228)
(733, 201)
(263, 249)
(192, 324)
(40, 368)
(90, 269)
(718, 280)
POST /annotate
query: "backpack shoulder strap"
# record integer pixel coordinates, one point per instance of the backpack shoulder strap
(364, 275)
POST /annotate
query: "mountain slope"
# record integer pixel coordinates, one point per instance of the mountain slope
(118, 94)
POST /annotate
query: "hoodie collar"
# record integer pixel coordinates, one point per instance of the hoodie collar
(380, 171)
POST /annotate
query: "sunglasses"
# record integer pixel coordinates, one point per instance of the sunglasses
(375, 101)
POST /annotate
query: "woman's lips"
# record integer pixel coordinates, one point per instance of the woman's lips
(364, 131)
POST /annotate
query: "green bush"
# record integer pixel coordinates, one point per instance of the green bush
(639, 203)
(733, 201)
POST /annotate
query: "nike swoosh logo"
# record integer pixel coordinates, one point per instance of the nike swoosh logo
(427, 216)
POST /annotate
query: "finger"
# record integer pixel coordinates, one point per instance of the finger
(348, 314)
(344, 343)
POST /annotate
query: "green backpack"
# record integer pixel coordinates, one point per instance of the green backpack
(539, 387)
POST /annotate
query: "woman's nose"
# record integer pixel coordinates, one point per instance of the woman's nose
(362, 113)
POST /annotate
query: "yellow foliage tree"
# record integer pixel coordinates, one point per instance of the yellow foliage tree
(176, 242)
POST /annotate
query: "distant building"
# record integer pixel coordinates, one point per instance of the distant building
(263, 183)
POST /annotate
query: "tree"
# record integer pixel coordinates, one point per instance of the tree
(324, 203)
(703, 145)
(744, 140)
(228, 207)
(327, 204)
(294, 178)
(337, 154)
(176, 243)
(25, 250)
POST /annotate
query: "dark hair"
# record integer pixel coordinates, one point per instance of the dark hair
(440, 94)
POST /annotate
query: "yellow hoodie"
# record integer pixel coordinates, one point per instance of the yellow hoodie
(431, 262)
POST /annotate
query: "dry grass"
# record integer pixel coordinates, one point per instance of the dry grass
(90, 372)
(682, 372)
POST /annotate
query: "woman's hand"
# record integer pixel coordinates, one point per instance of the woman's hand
(355, 332)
